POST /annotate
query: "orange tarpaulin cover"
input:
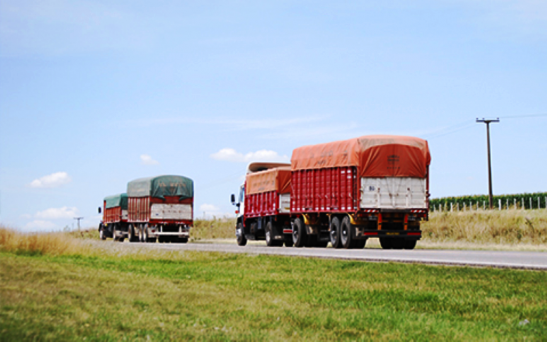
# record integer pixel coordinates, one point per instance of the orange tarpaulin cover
(373, 155)
(278, 179)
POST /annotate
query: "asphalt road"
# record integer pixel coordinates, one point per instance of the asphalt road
(501, 259)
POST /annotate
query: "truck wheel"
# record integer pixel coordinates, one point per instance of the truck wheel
(410, 244)
(101, 234)
(346, 233)
(359, 244)
(269, 235)
(240, 235)
(335, 232)
(131, 234)
(182, 240)
(385, 243)
(114, 233)
(299, 236)
(397, 243)
(288, 242)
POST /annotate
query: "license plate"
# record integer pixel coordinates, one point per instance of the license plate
(392, 233)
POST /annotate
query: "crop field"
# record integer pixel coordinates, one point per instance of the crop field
(63, 286)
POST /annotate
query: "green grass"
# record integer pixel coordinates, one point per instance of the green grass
(116, 295)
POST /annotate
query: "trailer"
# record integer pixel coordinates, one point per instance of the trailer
(160, 208)
(114, 220)
(263, 205)
(346, 192)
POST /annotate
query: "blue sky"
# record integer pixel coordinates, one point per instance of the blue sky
(94, 94)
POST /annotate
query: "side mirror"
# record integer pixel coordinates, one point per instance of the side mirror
(99, 210)
(233, 198)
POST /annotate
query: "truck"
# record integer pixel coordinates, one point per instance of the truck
(345, 192)
(263, 206)
(114, 220)
(153, 208)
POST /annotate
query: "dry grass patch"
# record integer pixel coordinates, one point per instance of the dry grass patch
(510, 227)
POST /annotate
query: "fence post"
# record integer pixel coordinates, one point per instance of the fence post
(515, 203)
(522, 203)
(451, 206)
(539, 204)
(499, 203)
(507, 204)
(458, 206)
(483, 205)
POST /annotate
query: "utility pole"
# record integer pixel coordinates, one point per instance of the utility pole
(487, 122)
(78, 218)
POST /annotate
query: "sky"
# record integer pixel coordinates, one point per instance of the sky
(94, 94)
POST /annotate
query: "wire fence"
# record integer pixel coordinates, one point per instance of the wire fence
(504, 202)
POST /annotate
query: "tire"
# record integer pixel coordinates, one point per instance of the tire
(288, 242)
(334, 232)
(359, 244)
(410, 244)
(182, 240)
(347, 233)
(397, 243)
(385, 243)
(144, 236)
(131, 234)
(101, 234)
(299, 236)
(269, 235)
(240, 235)
(114, 234)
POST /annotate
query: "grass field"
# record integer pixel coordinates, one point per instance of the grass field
(208, 296)
(59, 287)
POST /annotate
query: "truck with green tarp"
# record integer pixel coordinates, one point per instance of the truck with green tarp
(114, 221)
(161, 208)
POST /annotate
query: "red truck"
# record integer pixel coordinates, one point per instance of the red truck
(114, 217)
(265, 205)
(346, 192)
(160, 207)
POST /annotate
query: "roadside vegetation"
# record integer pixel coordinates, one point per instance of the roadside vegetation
(488, 228)
(59, 287)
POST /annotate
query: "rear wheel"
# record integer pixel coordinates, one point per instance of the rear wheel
(288, 242)
(385, 243)
(269, 235)
(101, 234)
(410, 244)
(114, 233)
(240, 235)
(299, 236)
(346, 233)
(131, 234)
(359, 244)
(182, 240)
(397, 243)
(335, 232)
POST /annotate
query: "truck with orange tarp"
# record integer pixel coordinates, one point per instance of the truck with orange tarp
(368, 187)
(345, 192)
(264, 205)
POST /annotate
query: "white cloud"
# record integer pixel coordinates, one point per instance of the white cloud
(208, 208)
(209, 211)
(39, 225)
(147, 160)
(58, 213)
(51, 181)
(229, 154)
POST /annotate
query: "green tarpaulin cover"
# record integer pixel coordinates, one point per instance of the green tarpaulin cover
(161, 186)
(119, 200)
